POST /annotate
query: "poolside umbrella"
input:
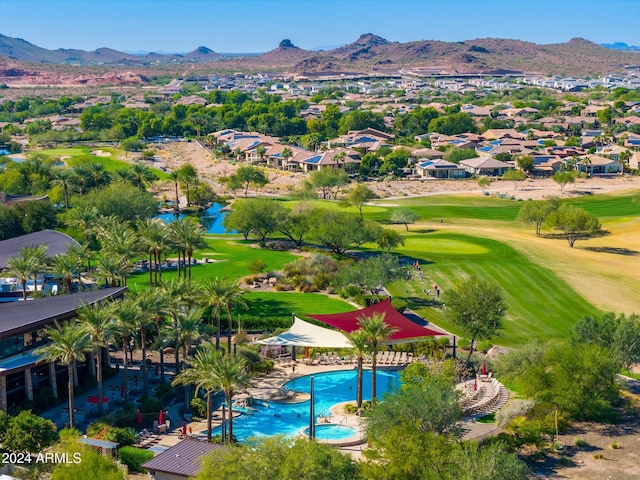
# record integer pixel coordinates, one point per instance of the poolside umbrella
(135, 380)
(161, 417)
(475, 384)
(484, 368)
(306, 352)
(139, 418)
(184, 429)
(122, 391)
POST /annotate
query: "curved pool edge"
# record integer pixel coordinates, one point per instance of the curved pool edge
(358, 439)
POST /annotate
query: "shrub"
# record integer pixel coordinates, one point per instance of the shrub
(580, 443)
(123, 436)
(162, 389)
(150, 404)
(464, 343)
(257, 266)
(350, 408)
(199, 406)
(28, 432)
(484, 346)
(615, 446)
(134, 457)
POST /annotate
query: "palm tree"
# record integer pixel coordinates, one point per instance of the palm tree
(377, 333)
(179, 294)
(142, 175)
(113, 269)
(200, 375)
(224, 293)
(65, 264)
(188, 330)
(82, 253)
(124, 314)
(175, 178)
(188, 235)
(359, 340)
(228, 373)
(215, 296)
(152, 305)
(286, 154)
(68, 343)
(155, 237)
(22, 268)
(84, 218)
(98, 175)
(63, 177)
(118, 238)
(38, 256)
(97, 321)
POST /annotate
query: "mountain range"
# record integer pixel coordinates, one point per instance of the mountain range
(369, 53)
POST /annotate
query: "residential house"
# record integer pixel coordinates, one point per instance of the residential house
(438, 168)
(485, 166)
(597, 165)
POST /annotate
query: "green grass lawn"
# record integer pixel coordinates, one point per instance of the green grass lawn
(111, 164)
(284, 304)
(231, 258)
(541, 305)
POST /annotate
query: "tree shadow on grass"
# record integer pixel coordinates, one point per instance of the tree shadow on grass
(613, 250)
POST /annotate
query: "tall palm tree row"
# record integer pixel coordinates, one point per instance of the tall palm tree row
(212, 369)
(125, 315)
(188, 236)
(155, 236)
(68, 343)
(99, 324)
(223, 293)
(152, 306)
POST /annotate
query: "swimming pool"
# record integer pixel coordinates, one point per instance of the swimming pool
(290, 418)
(333, 432)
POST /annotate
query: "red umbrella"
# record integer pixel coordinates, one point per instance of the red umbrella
(475, 385)
(484, 368)
(122, 391)
(161, 418)
(306, 353)
(184, 429)
(139, 418)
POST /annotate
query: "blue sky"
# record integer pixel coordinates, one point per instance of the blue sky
(259, 25)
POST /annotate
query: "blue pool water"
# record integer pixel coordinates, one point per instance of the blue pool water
(333, 432)
(290, 418)
(211, 219)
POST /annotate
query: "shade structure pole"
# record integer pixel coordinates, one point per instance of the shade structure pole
(312, 413)
(224, 424)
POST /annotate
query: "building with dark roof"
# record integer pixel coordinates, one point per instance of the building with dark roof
(56, 241)
(23, 329)
(183, 460)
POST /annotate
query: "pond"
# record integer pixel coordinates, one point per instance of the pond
(211, 218)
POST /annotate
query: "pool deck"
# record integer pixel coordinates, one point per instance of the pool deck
(269, 388)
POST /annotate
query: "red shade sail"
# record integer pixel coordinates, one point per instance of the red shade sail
(406, 330)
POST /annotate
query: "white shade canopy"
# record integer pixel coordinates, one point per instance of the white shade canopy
(305, 334)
